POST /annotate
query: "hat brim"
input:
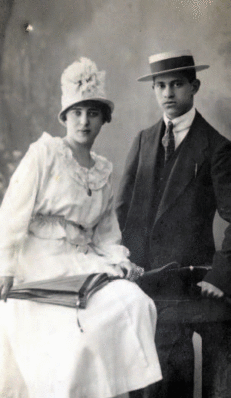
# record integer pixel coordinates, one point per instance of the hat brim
(61, 115)
(149, 77)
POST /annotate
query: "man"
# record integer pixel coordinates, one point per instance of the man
(178, 173)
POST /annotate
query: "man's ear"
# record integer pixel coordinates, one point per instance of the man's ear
(195, 86)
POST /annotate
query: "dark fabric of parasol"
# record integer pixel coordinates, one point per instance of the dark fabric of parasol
(70, 291)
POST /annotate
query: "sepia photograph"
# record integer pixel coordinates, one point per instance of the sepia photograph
(115, 199)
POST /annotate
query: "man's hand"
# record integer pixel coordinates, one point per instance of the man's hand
(6, 282)
(209, 290)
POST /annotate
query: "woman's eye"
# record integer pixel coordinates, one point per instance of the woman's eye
(93, 113)
(76, 112)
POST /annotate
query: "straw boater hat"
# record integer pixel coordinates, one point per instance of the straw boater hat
(173, 61)
(81, 81)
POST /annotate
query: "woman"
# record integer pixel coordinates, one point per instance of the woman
(57, 219)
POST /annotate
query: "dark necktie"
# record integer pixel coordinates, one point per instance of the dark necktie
(168, 141)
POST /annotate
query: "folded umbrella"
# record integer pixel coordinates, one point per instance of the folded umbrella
(70, 291)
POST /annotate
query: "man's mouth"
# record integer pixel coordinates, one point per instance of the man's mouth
(169, 103)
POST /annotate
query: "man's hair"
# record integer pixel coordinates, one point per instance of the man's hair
(189, 74)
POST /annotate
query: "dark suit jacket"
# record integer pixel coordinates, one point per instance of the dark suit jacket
(181, 228)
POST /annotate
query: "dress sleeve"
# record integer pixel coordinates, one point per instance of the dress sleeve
(107, 237)
(16, 211)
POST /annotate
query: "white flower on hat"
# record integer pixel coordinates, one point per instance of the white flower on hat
(82, 81)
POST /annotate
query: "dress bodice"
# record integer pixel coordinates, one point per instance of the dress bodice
(48, 197)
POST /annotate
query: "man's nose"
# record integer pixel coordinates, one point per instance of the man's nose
(168, 92)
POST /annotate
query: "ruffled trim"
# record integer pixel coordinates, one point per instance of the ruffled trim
(94, 178)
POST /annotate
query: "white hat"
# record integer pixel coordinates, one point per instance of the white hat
(81, 81)
(173, 61)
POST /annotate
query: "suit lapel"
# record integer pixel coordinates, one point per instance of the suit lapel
(144, 180)
(186, 166)
(148, 158)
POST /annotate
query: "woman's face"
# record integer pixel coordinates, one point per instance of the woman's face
(83, 122)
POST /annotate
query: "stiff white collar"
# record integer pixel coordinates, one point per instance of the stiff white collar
(183, 122)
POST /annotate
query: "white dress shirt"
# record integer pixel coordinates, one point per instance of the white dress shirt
(181, 125)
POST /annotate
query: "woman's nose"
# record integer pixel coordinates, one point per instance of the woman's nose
(84, 119)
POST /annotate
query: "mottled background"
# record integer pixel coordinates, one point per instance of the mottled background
(119, 35)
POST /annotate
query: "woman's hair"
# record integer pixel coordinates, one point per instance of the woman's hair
(104, 108)
(106, 111)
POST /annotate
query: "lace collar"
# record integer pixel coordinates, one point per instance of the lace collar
(95, 177)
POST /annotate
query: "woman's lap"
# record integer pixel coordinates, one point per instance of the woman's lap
(118, 325)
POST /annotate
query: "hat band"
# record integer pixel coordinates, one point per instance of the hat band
(172, 63)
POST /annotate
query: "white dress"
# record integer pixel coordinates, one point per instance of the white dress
(51, 227)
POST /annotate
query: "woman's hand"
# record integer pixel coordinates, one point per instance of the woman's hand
(6, 282)
(124, 268)
(129, 270)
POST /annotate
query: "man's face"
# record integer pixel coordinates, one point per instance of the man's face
(174, 93)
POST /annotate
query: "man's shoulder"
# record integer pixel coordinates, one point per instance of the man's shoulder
(211, 133)
(155, 127)
(151, 131)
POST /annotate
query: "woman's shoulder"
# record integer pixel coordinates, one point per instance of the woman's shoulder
(46, 145)
(46, 141)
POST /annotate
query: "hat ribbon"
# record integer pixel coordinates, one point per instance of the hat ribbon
(172, 63)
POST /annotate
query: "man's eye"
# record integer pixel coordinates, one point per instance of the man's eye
(178, 84)
(160, 86)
